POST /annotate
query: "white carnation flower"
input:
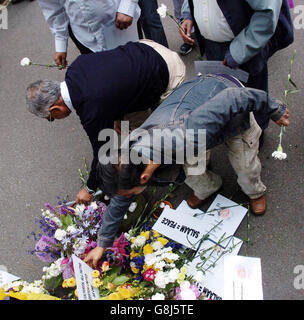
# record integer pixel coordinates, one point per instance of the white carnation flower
(59, 234)
(25, 62)
(80, 208)
(162, 11)
(279, 155)
(161, 279)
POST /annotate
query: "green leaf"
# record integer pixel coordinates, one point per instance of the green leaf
(118, 281)
(66, 221)
(293, 83)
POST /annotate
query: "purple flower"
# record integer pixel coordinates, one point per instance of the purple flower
(42, 249)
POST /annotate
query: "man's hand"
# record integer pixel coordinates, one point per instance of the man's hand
(60, 59)
(83, 196)
(123, 21)
(185, 31)
(284, 119)
(94, 256)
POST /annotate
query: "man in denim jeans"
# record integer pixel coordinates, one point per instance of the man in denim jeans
(220, 105)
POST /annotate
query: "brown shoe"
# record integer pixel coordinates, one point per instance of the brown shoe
(194, 202)
(258, 206)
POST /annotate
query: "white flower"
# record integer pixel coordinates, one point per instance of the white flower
(199, 277)
(161, 279)
(173, 275)
(71, 229)
(188, 294)
(156, 245)
(150, 259)
(25, 62)
(80, 208)
(162, 11)
(160, 265)
(133, 206)
(94, 205)
(162, 205)
(158, 296)
(59, 234)
(139, 241)
(279, 155)
(57, 221)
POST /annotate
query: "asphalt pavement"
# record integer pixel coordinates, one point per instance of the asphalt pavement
(39, 161)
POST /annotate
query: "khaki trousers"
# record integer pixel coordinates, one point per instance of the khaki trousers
(177, 75)
(243, 155)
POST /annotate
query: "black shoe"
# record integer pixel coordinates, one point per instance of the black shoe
(185, 49)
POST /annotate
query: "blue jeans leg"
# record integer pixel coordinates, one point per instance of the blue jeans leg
(150, 22)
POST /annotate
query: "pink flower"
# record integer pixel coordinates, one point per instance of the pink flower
(149, 275)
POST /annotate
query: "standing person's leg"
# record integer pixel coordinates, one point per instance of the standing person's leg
(151, 23)
(185, 47)
(243, 155)
(203, 186)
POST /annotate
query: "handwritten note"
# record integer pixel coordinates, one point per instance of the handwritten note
(83, 275)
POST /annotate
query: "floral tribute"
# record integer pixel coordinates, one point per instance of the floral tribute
(142, 264)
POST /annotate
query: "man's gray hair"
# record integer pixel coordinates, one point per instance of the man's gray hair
(41, 95)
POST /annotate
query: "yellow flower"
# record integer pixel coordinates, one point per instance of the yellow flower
(16, 289)
(134, 270)
(65, 283)
(133, 254)
(148, 249)
(76, 293)
(71, 282)
(183, 270)
(133, 239)
(163, 241)
(146, 234)
(95, 274)
(114, 296)
(146, 267)
(155, 234)
(96, 283)
(124, 293)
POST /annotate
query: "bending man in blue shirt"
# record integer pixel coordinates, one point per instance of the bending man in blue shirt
(217, 106)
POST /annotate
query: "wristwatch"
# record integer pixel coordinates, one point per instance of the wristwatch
(90, 191)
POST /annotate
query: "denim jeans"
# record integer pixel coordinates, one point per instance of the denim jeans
(150, 22)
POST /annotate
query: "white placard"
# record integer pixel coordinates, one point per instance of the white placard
(242, 278)
(83, 276)
(226, 215)
(180, 227)
(197, 213)
(6, 278)
(213, 285)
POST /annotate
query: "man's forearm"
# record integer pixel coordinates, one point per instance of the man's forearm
(111, 220)
(250, 41)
